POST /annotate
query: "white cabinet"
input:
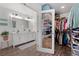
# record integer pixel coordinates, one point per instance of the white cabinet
(22, 38)
(22, 33)
(16, 39)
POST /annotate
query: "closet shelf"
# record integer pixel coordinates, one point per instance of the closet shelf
(75, 37)
(74, 55)
(76, 52)
(75, 40)
(76, 31)
(75, 43)
(75, 49)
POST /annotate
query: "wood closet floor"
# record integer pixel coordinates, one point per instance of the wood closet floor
(31, 51)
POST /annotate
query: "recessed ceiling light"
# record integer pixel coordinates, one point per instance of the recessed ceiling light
(62, 7)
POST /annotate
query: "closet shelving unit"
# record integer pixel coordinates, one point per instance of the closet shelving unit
(75, 42)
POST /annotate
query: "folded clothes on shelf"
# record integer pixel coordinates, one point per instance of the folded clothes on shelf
(75, 47)
(76, 41)
(76, 52)
(77, 36)
(76, 29)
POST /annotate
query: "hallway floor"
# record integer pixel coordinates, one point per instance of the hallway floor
(31, 51)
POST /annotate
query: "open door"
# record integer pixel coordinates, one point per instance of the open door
(46, 41)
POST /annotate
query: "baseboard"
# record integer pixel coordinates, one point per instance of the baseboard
(25, 43)
(19, 44)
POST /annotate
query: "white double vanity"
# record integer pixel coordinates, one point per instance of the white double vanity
(19, 22)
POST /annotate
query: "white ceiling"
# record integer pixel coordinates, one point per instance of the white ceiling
(56, 6)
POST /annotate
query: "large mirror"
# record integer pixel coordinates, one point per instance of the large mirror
(47, 30)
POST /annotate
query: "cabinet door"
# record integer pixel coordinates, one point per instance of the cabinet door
(23, 38)
(17, 29)
(16, 39)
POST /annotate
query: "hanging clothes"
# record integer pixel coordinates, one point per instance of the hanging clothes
(73, 18)
(65, 24)
(57, 24)
(57, 30)
(65, 39)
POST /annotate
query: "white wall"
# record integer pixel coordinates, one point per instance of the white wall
(18, 7)
(37, 7)
(64, 15)
(7, 8)
(22, 9)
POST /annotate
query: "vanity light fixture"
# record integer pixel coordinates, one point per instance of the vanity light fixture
(29, 19)
(13, 16)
